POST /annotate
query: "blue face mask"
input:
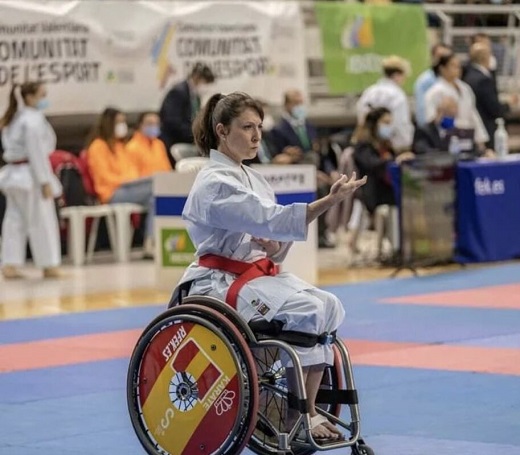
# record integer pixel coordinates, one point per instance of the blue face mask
(447, 123)
(299, 112)
(152, 131)
(42, 104)
(385, 131)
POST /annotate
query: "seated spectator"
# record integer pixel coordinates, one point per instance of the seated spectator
(115, 177)
(449, 84)
(295, 141)
(146, 151)
(373, 153)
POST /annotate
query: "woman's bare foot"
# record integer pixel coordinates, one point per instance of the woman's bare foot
(321, 428)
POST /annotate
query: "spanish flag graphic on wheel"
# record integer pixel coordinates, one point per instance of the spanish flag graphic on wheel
(189, 391)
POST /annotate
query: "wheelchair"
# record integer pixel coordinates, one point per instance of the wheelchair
(202, 381)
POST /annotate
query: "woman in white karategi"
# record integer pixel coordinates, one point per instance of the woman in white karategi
(231, 213)
(449, 85)
(29, 184)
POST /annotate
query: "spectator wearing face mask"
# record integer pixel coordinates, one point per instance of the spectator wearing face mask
(436, 135)
(448, 84)
(145, 149)
(114, 174)
(296, 142)
(388, 93)
(180, 106)
(372, 153)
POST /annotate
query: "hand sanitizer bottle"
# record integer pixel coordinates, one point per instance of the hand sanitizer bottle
(501, 139)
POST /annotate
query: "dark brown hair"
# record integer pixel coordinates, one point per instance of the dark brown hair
(203, 72)
(27, 88)
(442, 62)
(220, 109)
(367, 132)
(104, 127)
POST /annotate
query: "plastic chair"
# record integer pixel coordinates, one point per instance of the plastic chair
(77, 217)
(191, 164)
(181, 151)
(123, 228)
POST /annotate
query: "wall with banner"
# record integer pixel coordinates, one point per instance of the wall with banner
(128, 54)
(356, 37)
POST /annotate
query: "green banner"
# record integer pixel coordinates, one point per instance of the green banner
(176, 247)
(356, 37)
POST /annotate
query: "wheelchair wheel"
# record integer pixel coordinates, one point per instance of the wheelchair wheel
(192, 385)
(273, 405)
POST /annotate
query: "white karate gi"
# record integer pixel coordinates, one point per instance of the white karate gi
(386, 93)
(28, 215)
(467, 116)
(227, 205)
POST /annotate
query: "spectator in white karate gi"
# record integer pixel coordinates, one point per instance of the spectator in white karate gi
(388, 93)
(29, 184)
(449, 85)
(234, 221)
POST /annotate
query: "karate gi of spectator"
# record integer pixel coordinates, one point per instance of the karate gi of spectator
(29, 184)
(425, 81)
(388, 93)
(449, 85)
(232, 218)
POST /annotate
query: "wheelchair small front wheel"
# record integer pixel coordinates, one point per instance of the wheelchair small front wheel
(192, 385)
(362, 449)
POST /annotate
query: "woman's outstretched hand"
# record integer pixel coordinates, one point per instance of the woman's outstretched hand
(345, 186)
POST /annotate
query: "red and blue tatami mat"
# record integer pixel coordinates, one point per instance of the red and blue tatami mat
(437, 365)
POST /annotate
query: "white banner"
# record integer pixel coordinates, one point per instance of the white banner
(94, 54)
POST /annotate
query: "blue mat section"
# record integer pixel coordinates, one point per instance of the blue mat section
(24, 330)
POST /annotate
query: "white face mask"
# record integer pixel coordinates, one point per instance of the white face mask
(121, 130)
(268, 123)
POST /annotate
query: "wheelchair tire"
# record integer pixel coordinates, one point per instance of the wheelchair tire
(273, 400)
(192, 385)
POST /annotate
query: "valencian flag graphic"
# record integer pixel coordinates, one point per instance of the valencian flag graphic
(189, 381)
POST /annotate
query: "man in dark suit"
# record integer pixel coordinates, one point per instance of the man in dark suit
(479, 77)
(295, 141)
(180, 106)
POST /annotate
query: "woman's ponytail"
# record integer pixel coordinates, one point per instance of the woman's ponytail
(11, 108)
(203, 127)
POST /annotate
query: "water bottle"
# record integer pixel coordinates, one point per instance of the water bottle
(454, 145)
(501, 139)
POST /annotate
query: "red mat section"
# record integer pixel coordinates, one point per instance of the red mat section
(115, 345)
(499, 297)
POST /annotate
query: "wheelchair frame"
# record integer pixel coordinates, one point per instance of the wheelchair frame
(223, 321)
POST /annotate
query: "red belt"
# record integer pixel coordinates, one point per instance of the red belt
(246, 271)
(18, 162)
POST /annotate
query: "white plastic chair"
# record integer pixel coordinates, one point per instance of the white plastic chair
(191, 164)
(181, 151)
(124, 229)
(77, 217)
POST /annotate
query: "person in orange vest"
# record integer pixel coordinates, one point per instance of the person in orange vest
(146, 151)
(115, 176)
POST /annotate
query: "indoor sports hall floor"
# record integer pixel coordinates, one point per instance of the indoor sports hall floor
(437, 360)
